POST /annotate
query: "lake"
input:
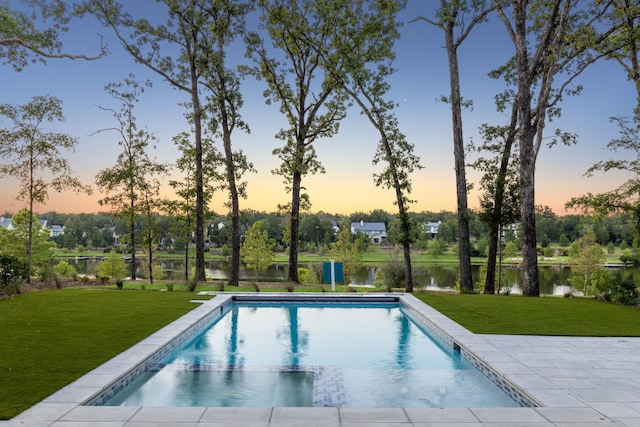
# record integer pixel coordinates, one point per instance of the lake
(553, 279)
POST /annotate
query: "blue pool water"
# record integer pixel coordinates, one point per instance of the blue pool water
(313, 354)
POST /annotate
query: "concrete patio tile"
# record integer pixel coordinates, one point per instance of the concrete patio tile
(553, 372)
(373, 415)
(165, 414)
(612, 409)
(306, 416)
(532, 424)
(512, 368)
(628, 422)
(556, 398)
(508, 415)
(575, 415)
(219, 415)
(44, 411)
(88, 424)
(72, 394)
(101, 413)
(530, 382)
(591, 395)
(370, 424)
(34, 423)
(567, 383)
(226, 424)
(436, 424)
(440, 415)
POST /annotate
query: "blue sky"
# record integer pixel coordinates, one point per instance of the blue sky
(347, 186)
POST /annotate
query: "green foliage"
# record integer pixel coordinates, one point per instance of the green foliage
(622, 292)
(15, 242)
(437, 248)
(64, 269)
(113, 267)
(13, 271)
(257, 248)
(346, 251)
(510, 250)
(628, 257)
(308, 276)
(563, 241)
(393, 275)
(482, 276)
(586, 257)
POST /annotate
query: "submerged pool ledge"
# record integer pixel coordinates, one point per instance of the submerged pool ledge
(73, 405)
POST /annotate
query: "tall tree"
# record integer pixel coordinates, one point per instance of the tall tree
(370, 36)
(183, 207)
(151, 203)
(500, 202)
(308, 95)
(22, 41)
(31, 155)
(224, 103)
(174, 52)
(456, 18)
(623, 47)
(553, 41)
(127, 184)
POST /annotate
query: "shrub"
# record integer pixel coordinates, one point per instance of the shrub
(308, 276)
(620, 292)
(64, 269)
(112, 267)
(12, 273)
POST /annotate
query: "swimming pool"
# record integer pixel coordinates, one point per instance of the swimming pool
(322, 352)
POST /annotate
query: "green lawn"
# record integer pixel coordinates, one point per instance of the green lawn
(517, 315)
(50, 338)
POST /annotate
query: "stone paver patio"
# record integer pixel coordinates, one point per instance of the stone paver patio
(577, 382)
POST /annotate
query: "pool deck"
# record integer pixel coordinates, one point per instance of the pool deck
(577, 382)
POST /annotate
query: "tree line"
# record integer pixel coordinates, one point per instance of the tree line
(100, 231)
(315, 59)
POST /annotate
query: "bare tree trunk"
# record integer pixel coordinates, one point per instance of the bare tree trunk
(234, 273)
(492, 256)
(464, 244)
(530, 284)
(197, 124)
(186, 259)
(294, 223)
(30, 228)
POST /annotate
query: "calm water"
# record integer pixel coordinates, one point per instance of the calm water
(553, 280)
(314, 355)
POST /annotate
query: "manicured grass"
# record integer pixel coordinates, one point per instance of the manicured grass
(50, 338)
(517, 315)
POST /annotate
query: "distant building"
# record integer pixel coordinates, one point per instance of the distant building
(54, 230)
(431, 228)
(375, 231)
(5, 223)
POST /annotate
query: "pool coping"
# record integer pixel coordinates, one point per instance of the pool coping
(68, 405)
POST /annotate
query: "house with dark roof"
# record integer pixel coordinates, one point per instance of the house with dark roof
(375, 231)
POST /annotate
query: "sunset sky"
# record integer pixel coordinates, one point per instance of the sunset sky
(347, 186)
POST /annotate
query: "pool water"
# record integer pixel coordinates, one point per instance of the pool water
(313, 354)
